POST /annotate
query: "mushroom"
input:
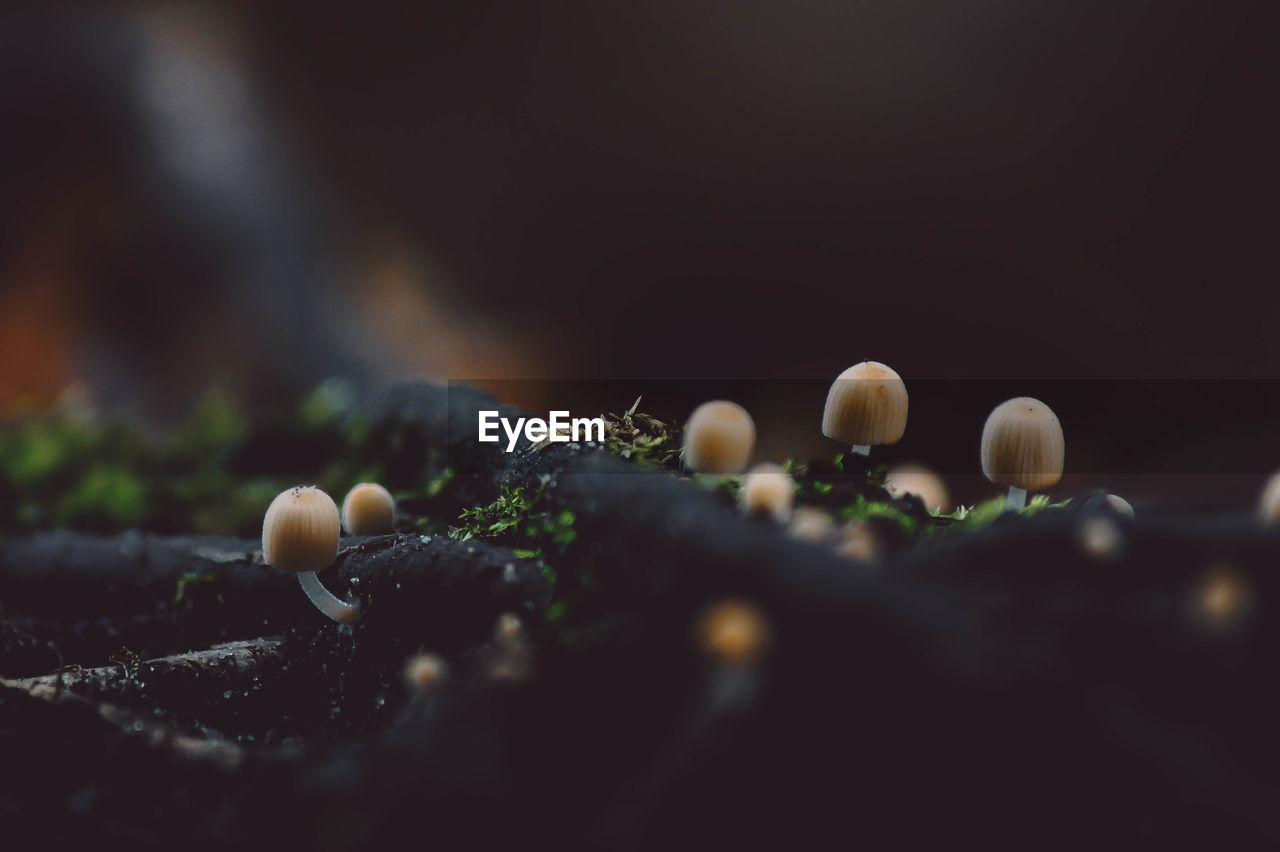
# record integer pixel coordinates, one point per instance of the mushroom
(300, 535)
(1269, 504)
(1022, 447)
(858, 541)
(866, 407)
(920, 481)
(369, 509)
(1119, 506)
(767, 489)
(733, 631)
(424, 672)
(719, 438)
(809, 524)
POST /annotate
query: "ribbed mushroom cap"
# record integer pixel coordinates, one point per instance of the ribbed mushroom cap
(300, 530)
(369, 509)
(1022, 445)
(867, 405)
(719, 438)
(768, 488)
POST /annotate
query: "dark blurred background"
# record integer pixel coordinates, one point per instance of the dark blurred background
(263, 195)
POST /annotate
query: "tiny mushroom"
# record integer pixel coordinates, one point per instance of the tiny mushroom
(1269, 504)
(809, 524)
(300, 535)
(767, 489)
(369, 509)
(424, 672)
(858, 541)
(866, 407)
(1120, 506)
(719, 438)
(921, 481)
(733, 631)
(1023, 448)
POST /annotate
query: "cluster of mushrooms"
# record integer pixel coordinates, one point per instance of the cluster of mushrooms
(1022, 448)
(1022, 445)
(300, 535)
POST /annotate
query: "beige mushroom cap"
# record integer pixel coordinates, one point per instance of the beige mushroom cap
(425, 672)
(1269, 504)
(369, 509)
(733, 631)
(867, 405)
(1022, 445)
(300, 530)
(768, 488)
(809, 524)
(921, 481)
(719, 438)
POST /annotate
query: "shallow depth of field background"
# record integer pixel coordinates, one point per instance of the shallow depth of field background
(575, 203)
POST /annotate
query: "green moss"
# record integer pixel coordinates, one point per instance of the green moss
(436, 483)
(330, 399)
(215, 423)
(643, 439)
(106, 495)
(524, 518)
(975, 517)
(862, 509)
(186, 581)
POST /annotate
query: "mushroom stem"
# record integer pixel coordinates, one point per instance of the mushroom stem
(861, 449)
(326, 601)
(1017, 499)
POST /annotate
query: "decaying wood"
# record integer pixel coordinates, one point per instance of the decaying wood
(232, 665)
(986, 685)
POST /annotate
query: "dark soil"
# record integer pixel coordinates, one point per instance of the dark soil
(1010, 685)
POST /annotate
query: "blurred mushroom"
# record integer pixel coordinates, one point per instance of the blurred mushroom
(719, 438)
(1269, 504)
(425, 672)
(369, 509)
(811, 524)
(921, 481)
(769, 490)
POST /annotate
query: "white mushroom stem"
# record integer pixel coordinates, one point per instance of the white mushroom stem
(326, 601)
(861, 449)
(1017, 499)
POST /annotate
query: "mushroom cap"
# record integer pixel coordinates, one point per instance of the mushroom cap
(768, 488)
(1022, 445)
(369, 509)
(425, 671)
(733, 631)
(867, 405)
(1120, 506)
(300, 530)
(921, 481)
(809, 524)
(719, 438)
(1269, 503)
